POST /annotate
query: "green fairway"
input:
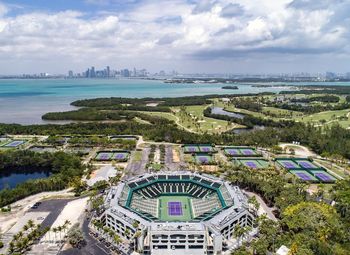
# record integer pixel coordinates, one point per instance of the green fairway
(185, 204)
(328, 118)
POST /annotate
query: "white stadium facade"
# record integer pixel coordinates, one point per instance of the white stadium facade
(175, 213)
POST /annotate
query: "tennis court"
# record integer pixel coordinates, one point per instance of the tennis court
(174, 208)
(14, 144)
(254, 163)
(104, 156)
(120, 156)
(306, 164)
(231, 152)
(191, 148)
(303, 175)
(240, 152)
(323, 176)
(203, 159)
(248, 152)
(289, 164)
(206, 148)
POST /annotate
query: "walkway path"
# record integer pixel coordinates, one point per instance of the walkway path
(299, 149)
(263, 209)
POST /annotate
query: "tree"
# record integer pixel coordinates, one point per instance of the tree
(75, 236)
(341, 194)
(254, 203)
(238, 233)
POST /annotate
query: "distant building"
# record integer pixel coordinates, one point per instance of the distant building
(108, 72)
(70, 74)
(125, 73)
(92, 72)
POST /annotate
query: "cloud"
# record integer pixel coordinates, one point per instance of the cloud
(232, 10)
(174, 31)
(3, 9)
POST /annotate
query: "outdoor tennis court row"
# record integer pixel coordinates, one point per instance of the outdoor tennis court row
(196, 148)
(255, 163)
(119, 156)
(306, 170)
(12, 143)
(204, 158)
(237, 151)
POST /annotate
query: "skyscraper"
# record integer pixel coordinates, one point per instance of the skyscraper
(92, 72)
(108, 74)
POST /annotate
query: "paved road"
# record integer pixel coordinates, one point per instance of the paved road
(54, 206)
(263, 206)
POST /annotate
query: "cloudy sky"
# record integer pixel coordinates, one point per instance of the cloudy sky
(236, 36)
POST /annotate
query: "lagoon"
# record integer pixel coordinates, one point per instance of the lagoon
(11, 179)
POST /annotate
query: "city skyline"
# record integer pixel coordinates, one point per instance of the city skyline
(208, 36)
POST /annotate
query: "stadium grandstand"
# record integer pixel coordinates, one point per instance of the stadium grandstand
(175, 213)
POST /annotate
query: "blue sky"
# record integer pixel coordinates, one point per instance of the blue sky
(236, 36)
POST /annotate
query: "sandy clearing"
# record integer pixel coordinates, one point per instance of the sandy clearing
(71, 212)
(176, 156)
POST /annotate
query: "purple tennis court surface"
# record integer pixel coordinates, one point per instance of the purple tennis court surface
(119, 156)
(289, 164)
(306, 164)
(232, 152)
(191, 149)
(14, 144)
(203, 159)
(324, 177)
(251, 164)
(248, 152)
(103, 156)
(174, 208)
(304, 176)
(205, 149)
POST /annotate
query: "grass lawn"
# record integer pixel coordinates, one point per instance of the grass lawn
(166, 115)
(141, 121)
(184, 215)
(2, 143)
(196, 122)
(281, 112)
(330, 117)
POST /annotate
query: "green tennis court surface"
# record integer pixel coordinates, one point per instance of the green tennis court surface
(203, 159)
(167, 214)
(254, 163)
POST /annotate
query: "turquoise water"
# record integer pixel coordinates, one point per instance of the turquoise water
(25, 101)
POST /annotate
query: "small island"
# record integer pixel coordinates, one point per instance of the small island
(229, 87)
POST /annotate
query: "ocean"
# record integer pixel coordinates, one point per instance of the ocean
(25, 101)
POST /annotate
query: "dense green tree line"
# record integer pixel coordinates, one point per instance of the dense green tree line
(247, 103)
(324, 99)
(320, 89)
(162, 102)
(93, 114)
(310, 109)
(329, 140)
(305, 226)
(63, 166)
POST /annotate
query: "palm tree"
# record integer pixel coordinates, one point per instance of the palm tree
(117, 239)
(30, 223)
(11, 247)
(54, 230)
(238, 232)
